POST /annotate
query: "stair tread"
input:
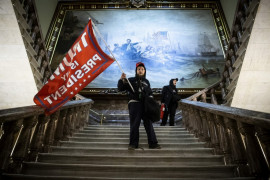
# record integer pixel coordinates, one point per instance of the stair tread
(127, 134)
(101, 152)
(134, 157)
(128, 138)
(120, 143)
(125, 149)
(111, 178)
(128, 166)
(128, 127)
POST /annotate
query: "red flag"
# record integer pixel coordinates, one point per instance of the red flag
(82, 64)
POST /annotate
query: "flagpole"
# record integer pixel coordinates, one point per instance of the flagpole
(111, 53)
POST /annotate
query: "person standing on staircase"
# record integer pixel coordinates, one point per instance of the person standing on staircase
(170, 99)
(141, 87)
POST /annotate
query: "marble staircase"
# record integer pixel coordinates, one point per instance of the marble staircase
(100, 152)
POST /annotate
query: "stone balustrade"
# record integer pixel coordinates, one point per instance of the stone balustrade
(242, 136)
(242, 26)
(27, 18)
(26, 131)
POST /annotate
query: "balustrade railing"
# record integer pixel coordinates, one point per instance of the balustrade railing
(242, 136)
(26, 14)
(208, 95)
(27, 131)
(246, 11)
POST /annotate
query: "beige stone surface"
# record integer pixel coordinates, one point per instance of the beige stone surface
(8, 51)
(6, 7)
(7, 21)
(253, 86)
(262, 20)
(17, 84)
(264, 6)
(10, 37)
(260, 35)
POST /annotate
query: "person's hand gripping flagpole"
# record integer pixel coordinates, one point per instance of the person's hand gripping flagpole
(96, 29)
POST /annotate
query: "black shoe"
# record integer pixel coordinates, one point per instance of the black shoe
(154, 146)
(130, 147)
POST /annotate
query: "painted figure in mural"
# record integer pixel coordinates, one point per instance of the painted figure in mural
(170, 99)
(129, 50)
(141, 88)
(116, 48)
(203, 72)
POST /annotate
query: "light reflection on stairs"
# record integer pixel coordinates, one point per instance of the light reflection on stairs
(100, 152)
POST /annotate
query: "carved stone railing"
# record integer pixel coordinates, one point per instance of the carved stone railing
(27, 17)
(27, 131)
(246, 11)
(208, 95)
(242, 136)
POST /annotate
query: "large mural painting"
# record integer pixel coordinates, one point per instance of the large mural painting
(171, 43)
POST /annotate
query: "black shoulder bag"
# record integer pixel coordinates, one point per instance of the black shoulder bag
(151, 109)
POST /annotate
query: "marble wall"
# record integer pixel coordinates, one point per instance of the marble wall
(229, 7)
(45, 10)
(17, 85)
(253, 86)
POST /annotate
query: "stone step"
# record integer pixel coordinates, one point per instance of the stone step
(126, 139)
(126, 131)
(125, 128)
(127, 135)
(124, 171)
(35, 177)
(110, 127)
(130, 160)
(124, 145)
(100, 152)
(138, 152)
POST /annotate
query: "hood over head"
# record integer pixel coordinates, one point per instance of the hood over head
(137, 65)
(171, 82)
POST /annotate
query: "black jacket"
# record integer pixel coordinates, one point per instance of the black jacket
(141, 87)
(169, 94)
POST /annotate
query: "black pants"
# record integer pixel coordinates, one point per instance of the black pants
(171, 109)
(136, 115)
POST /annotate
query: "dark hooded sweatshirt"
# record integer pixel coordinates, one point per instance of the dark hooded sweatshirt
(140, 85)
(169, 94)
